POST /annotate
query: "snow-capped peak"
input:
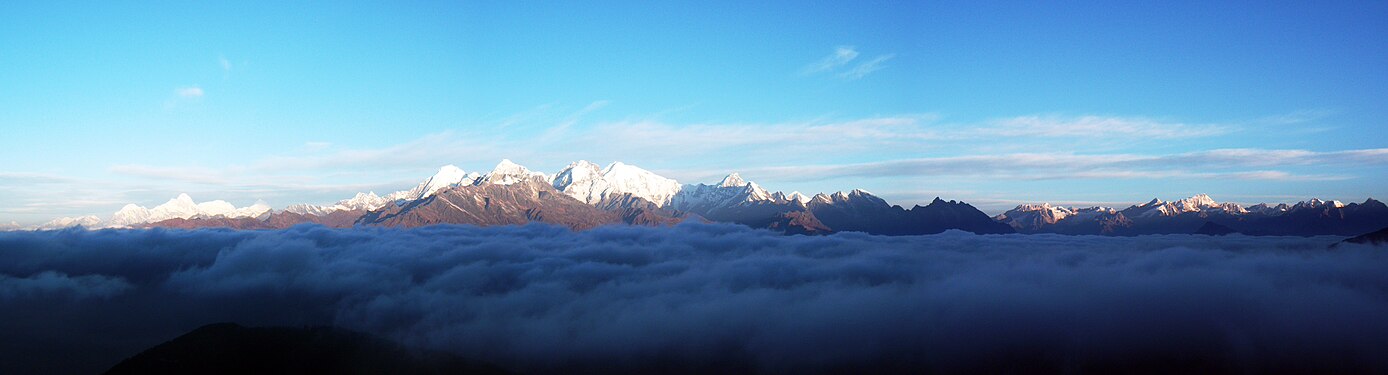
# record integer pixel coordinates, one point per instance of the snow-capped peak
(181, 207)
(363, 201)
(626, 178)
(579, 172)
(67, 222)
(795, 196)
(447, 176)
(129, 215)
(507, 172)
(360, 202)
(506, 166)
(1317, 203)
(254, 210)
(731, 191)
(732, 180)
(216, 208)
(585, 182)
(1196, 203)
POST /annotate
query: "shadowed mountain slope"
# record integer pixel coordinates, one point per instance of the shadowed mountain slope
(227, 348)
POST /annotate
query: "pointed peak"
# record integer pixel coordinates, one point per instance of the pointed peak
(861, 192)
(618, 167)
(508, 172)
(449, 170)
(583, 164)
(732, 180)
(507, 165)
(183, 197)
(796, 196)
(613, 165)
(1201, 198)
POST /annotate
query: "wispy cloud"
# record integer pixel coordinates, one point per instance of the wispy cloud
(7, 178)
(809, 150)
(867, 67)
(316, 146)
(226, 66)
(1098, 127)
(185, 174)
(577, 116)
(189, 92)
(730, 143)
(1244, 164)
(841, 56)
(1297, 117)
(917, 132)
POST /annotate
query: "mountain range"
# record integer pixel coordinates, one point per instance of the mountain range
(584, 195)
(1203, 215)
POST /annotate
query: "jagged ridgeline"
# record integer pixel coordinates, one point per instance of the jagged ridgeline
(1201, 214)
(584, 195)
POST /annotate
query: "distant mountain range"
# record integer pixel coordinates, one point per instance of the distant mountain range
(584, 195)
(1201, 214)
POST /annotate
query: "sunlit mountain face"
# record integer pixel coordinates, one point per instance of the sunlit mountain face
(639, 188)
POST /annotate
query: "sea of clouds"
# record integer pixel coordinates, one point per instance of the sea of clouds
(712, 297)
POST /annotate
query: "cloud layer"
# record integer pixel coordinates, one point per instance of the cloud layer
(702, 297)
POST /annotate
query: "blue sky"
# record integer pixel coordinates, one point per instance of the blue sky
(105, 104)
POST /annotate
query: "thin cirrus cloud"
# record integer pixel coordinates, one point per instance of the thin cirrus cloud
(913, 132)
(1237, 163)
(842, 57)
(867, 67)
(882, 147)
(189, 92)
(1099, 127)
(620, 140)
(224, 63)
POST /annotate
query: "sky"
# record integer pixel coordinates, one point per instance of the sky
(103, 104)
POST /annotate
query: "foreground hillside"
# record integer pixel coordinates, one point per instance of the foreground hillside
(228, 348)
